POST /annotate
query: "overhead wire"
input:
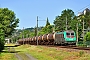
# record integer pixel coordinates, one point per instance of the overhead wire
(82, 8)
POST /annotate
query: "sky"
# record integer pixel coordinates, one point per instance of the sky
(28, 10)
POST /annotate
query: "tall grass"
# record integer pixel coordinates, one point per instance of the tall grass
(51, 53)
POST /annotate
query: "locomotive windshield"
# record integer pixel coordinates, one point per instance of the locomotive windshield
(72, 33)
(68, 33)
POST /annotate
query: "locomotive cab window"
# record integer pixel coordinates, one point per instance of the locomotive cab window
(72, 33)
(68, 33)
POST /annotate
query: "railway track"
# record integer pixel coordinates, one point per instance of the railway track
(70, 47)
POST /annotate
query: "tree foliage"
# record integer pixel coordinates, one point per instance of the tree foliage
(59, 24)
(47, 22)
(84, 18)
(60, 21)
(87, 36)
(8, 21)
(2, 38)
(87, 19)
(25, 34)
(47, 29)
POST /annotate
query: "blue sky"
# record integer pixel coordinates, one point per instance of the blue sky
(28, 10)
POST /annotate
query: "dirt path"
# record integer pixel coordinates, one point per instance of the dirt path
(21, 56)
(32, 58)
(24, 56)
(18, 57)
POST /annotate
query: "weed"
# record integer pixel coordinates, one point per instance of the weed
(81, 53)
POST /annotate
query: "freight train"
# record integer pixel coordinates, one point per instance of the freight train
(65, 37)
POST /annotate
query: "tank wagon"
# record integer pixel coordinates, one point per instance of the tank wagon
(66, 37)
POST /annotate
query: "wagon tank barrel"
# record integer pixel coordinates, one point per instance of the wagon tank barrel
(50, 36)
(44, 37)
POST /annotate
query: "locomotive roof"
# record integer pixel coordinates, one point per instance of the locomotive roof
(69, 31)
(59, 32)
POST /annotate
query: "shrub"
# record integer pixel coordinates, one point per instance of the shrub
(1, 45)
(87, 36)
(81, 53)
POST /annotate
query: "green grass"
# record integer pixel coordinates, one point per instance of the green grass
(46, 53)
(7, 56)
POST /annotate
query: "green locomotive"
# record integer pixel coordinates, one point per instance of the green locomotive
(66, 37)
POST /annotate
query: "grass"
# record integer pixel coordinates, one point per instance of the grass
(46, 53)
(7, 56)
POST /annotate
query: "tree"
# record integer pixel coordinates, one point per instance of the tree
(2, 38)
(74, 26)
(85, 18)
(25, 33)
(8, 21)
(60, 21)
(59, 24)
(87, 36)
(47, 29)
(47, 22)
